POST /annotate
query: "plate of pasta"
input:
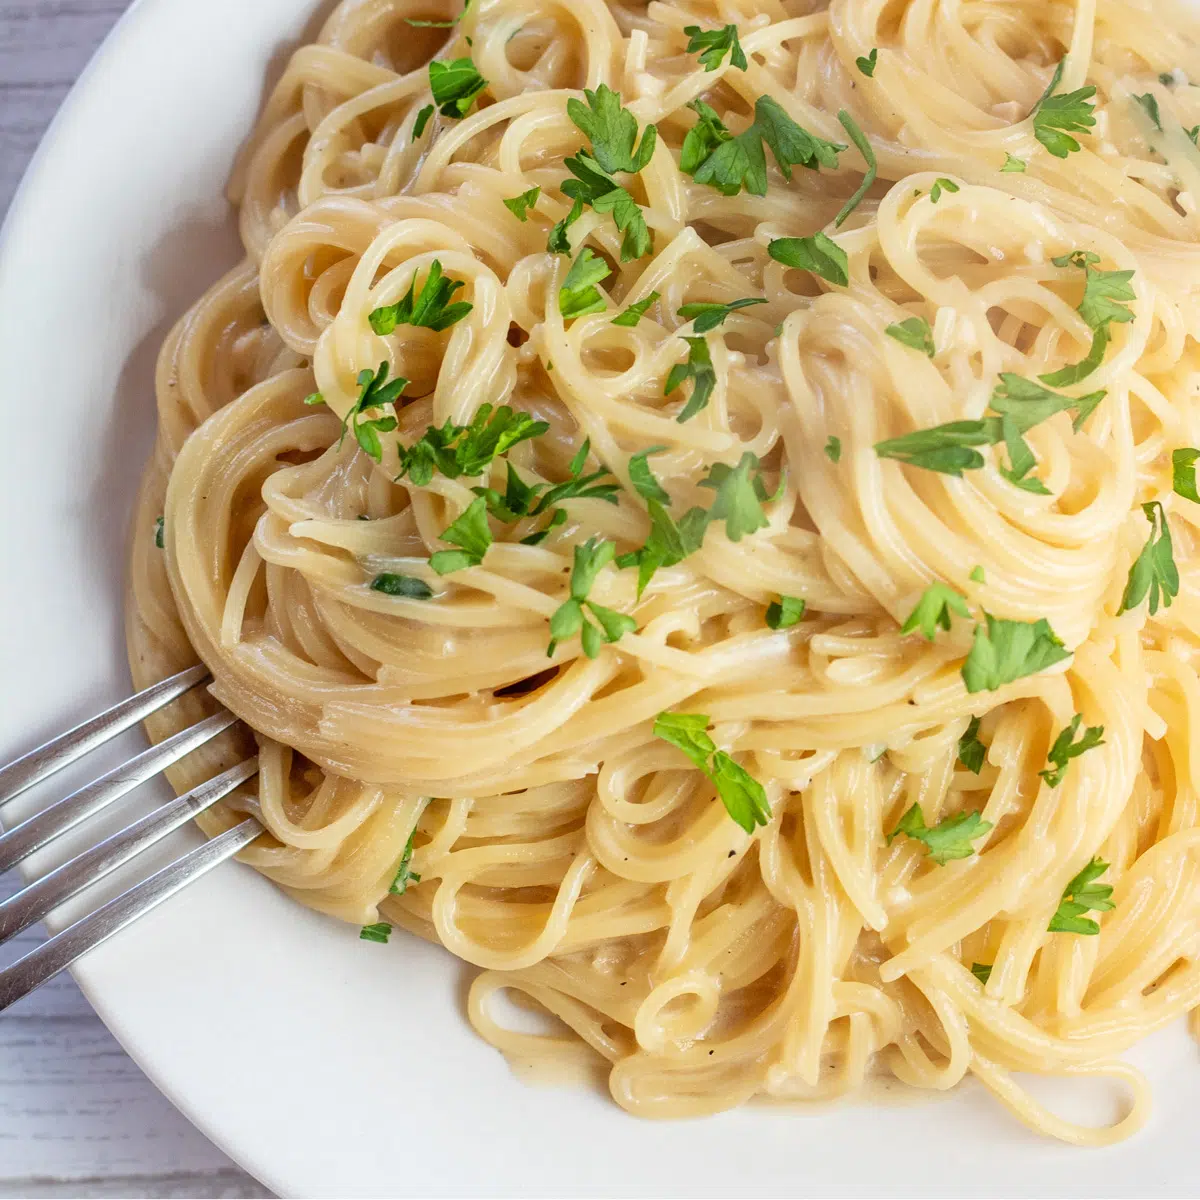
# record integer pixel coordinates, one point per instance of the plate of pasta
(694, 506)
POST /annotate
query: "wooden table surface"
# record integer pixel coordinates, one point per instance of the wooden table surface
(77, 1116)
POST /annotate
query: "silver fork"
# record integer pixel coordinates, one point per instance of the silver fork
(27, 837)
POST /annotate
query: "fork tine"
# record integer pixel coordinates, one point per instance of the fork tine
(42, 828)
(39, 764)
(64, 948)
(31, 904)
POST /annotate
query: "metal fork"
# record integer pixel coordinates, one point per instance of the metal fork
(26, 837)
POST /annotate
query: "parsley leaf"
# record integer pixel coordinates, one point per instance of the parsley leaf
(982, 971)
(1004, 651)
(1103, 295)
(643, 478)
(668, 544)
(948, 839)
(864, 148)
(422, 120)
(455, 86)
(159, 532)
(1021, 460)
(914, 332)
(933, 611)
(579, 294)
(429, 309)
(716, 43)
(404, 872)
(833, 449)
(595, 187)
(940, 186)
(520, 205)
(1153, 572)
(1080, 896)
(733, 162)
(1149, 103)
(569, 619)
(1030, 404)
(472, 533)
(944, 448)
(1056, 117)
(613, 130)
(558, 242)
(402, 585)
(819, 254)
(635, 312)
(379, 932)
(1066, 748)
(971, 750)
(867, 65)
(743, 796)
(1183, 465)
(374, 392)
(1012, 166)
(739, 496)
(699, 370)
(977, 575)
(785, 612)
(706, 317)
(457, 450)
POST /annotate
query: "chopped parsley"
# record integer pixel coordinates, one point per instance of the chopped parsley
(521, 499)
(1082, 895)
(819, 254)
(520, 205)
(716, 43)
(422, 120)
(1153, 573)
(593, 186)
(579, 295)
(1012, 166)
(699, 369)
(644, 481)
(391, 584)
(940, 186)
(971, 750)
(833, 449)
(1066, 748)
(949, 839)
(866, 64)
(743, 796)
(1004, 651)
(933, 611)
(570, 619)
(471, 533)
(457, 450)
(428, 309)
(379, 932)
(708, 316)
(950, 448)
(375, 392)
(635, 312)
(404, 872)
(729, 163)
(864, 148)
(982, 971)
(785, 612)
(1149, 104)
(159, 533)
(914, 332)
(1105, 295)
(1183, 467)
(558, 242)
(740, 495)
(613, 131)
(455, 85)
(669, 542)
(1057, 117)
(977, 575)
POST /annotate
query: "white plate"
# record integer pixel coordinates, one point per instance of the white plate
(325, 1065)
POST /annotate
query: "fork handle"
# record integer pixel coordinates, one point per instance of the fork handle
(64, 948)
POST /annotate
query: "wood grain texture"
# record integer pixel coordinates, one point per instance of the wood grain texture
(77, 1116)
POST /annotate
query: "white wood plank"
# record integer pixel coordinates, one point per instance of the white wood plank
(214, 1186)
